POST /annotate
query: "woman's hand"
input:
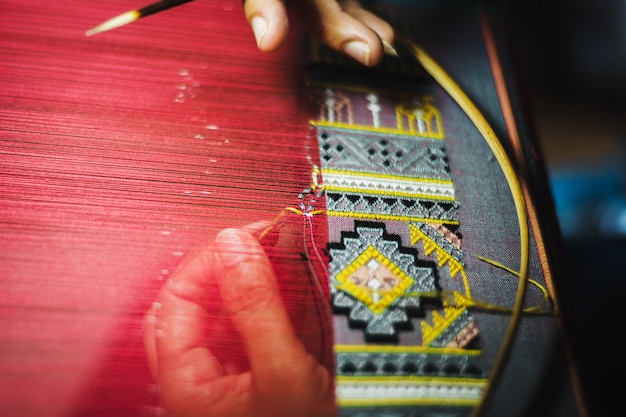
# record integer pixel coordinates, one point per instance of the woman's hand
(343, 25)
(220, 340)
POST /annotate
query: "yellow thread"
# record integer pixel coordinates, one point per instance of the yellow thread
(491, 139)
(382, 293)
(304, 213)
(282, 213)
(411, 379)
(365, 294)
(375, 216)
(434, 398)
(448, 84)
(315, 177)
(367, 128)
(405, 402)
(403, 349)
(404, 180)
(443, 257)
(542, 307)
(440, 323)
(367, 191)
(428, 112)
(420, 180)
(467, 301)
(458, 300)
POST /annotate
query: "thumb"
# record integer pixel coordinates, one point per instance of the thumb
(251, 295)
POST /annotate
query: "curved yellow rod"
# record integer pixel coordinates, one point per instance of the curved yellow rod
(450, 86)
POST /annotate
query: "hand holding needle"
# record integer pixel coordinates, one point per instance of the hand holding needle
(343, 25)
(222, 340)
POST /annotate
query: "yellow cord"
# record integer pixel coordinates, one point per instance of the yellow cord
(474, 114)
(458, 300)
(542, 307)
(282, 214)
(448, 84)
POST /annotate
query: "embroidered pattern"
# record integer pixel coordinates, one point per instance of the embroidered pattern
(384, 167)
(353, 108)
(454, 329)
(369, 177)
(402, 376)
(410, 392)
(440, 236)
(452, 411)
(365, 151)
(373, 279)
(409, 361)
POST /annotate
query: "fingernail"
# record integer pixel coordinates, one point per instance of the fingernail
(389, 50)
(231, 246)
(259, 27)
(359, 51)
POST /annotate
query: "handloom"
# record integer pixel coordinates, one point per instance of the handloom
(125, 151)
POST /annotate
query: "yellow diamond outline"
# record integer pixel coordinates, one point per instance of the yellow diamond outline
(363, 294)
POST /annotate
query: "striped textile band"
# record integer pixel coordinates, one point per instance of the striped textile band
(401, 349)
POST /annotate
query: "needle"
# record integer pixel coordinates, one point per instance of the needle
(134, 15)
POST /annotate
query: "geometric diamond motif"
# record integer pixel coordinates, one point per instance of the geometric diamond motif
(374, 280)
(378, 282)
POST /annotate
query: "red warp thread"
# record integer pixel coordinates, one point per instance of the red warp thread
(120, 153)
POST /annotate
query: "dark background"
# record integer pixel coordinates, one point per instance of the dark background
(571, 58)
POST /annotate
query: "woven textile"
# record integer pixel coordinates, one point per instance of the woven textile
(123, 152)
(418, 208)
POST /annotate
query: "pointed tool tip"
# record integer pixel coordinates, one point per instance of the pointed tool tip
(92, 31)
(389, 49)
(121, 20)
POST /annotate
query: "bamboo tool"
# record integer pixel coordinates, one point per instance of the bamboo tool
(134, 15)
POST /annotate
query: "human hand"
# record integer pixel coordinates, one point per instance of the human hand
(344, 25)
(220, 340)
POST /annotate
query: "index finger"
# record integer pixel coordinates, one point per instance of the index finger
(251, 295)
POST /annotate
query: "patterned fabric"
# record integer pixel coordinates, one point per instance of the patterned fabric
(124, 152)
(393, 226)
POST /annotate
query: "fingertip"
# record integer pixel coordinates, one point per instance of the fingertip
(382, 28)
(269, 23)
(353, 38)
(362, 35)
